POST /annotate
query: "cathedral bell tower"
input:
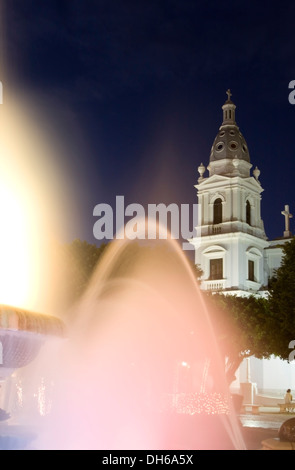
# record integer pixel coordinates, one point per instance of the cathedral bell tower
(230, 241)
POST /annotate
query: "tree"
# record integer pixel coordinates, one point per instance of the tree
(241, 327)
(198, 272)
(282, 303)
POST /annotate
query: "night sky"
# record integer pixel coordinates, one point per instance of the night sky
(143, 82)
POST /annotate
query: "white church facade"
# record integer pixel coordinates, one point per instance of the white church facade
(231, 246)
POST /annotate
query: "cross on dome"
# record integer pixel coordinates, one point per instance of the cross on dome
(229, 94)
(288, 216)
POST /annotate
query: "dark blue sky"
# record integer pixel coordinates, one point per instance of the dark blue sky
(145, 82)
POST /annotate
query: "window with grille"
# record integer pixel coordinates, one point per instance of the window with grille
(216, 268)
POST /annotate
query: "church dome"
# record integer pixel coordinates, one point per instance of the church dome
(229, 142)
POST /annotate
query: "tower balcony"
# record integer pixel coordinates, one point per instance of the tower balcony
(232, 226)
(213, 285)
(216, 229)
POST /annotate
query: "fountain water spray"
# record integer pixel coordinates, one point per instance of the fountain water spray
(141, 368)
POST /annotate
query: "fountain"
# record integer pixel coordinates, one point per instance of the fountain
(140, 368)
(22, 334)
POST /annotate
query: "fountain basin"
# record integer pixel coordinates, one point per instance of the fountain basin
(22, 334)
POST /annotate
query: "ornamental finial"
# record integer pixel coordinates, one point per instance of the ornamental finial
(228, 94)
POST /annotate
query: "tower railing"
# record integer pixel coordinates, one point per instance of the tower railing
(214, 285)
(216, 229)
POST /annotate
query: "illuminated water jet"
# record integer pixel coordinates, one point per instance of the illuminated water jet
(141, 368)
(34, 196)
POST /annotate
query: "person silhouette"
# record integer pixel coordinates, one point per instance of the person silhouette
(288, 400)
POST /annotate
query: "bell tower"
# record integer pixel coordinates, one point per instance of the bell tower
(230, 241)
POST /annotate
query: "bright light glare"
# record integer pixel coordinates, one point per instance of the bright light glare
(15, 273)
(32, 200)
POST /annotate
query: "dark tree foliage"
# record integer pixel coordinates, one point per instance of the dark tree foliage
(198, 272)
(282, 303)
(241, 327)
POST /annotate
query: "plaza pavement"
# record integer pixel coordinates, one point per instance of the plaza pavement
(265, 425)
(254, 428)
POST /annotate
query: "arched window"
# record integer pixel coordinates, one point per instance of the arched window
(248, 213)
(217, 211)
